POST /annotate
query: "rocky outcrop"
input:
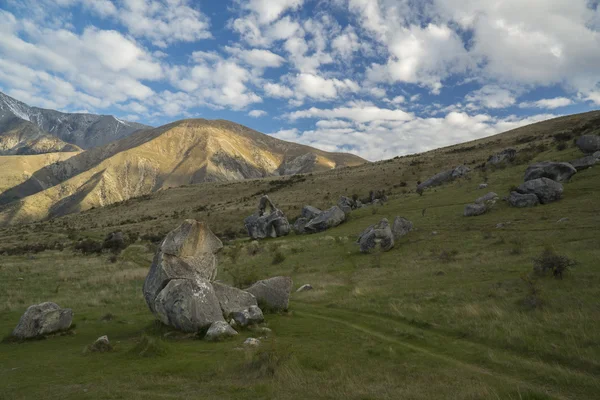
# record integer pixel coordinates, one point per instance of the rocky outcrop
(233, 299)
(545, 189)
(299, 225)
(472, 210)
(326, 220)
(491, 196)
(401, 227)
(346, 204)
(273, 294)
(523, 200)
(585, 162)
(557, 171)
(376, 235)
(505, 156)
(310, 212)
(43, 319)
(589, 143)
(444, 177)
(268, 221)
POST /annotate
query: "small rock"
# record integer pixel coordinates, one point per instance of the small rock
(219, 330)
(563, 220)
(482, 186)
(380, 233)
(500, 225)
(523, 200)
(273, 293)
(252, 342)
(487, 197)
(101, 345)
(43, 319)
(261, 329)
(250, 316)
(304, 288)
(434, 233)
(472, 210)
(401, 227)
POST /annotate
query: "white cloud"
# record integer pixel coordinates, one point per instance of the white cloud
(268, 11)
(491, 96)
(257, 113)
(258, 58)
(354, 112)
(317, 87)
(553, 103)
(277, 90)
(593, 97)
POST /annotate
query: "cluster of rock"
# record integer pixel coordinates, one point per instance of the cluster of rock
(482, 205)
(43, 319)
(181, 292)
(383, 235)
(313, 220)
(267, 221)
(503, 157)
(590, 145)
(444, 177)
(542, 184)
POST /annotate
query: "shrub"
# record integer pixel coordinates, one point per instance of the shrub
(548, 260)
(448, 255)
(88, 246)
(278, 257)
(561, 146)
(265, 362)
(149, 346)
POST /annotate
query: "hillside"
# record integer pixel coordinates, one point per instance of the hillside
(20, 137)
(182, 153)
(82, 130)
(454, 310)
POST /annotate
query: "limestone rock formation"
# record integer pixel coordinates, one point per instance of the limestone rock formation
(472, 210)
(326, 220)
(310, 212)
(491, 196)
(545, 189)
(43, 319)
(346, 204)
(250, 316)
(523, 200)
(219, 330)
(233, 299)
(506, 155)
(401, 227)
(273, 294)
(557, 171)
(268, 221)
(378, 234)
(589, 143)
(585, 162)
(299, 225)
(444, 177)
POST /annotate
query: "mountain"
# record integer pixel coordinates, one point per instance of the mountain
(180, 153)
(83, 130)
(25, 138)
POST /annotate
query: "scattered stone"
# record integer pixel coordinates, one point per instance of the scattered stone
(272, 294)
(434, 233)
(187, 252)
(506, 155)
(585, 162)
(310, 212)
(219, 330)
(486, 198)
(557, 171)
(250, 316)
(101, 345)
(380, 233)
(472, 210)
(326, 220)
(482, 186)
(233, 299)
(545, 189)
(43, 319)
(252, 342)
(304, 288)
(268, 221)
(560, 221)
(523, 200)
(346, 204)
(444, 177)
(499, 225)
(589, 143)
(401, 227)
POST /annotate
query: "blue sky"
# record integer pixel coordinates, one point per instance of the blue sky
(379, 78)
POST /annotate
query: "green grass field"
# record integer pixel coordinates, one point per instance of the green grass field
(441, 316)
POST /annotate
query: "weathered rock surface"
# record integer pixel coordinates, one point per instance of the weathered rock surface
(299, 225)
(101, 345)
(188, 305)
(252, 342)
(219, 330)
(346, 204)
(444, 177)
(43, 319)
(326, 220)
(268, 221)
(589, 143)
(233, 299)
(472, 210)
(401, 227)
(523, 200)
(310, 212)
(251, 316)
(545, 189)
(557, 171)
(585, 162)
(272, 294)
(378, 234)
(487, 197)
(187, 252)
(506, 155)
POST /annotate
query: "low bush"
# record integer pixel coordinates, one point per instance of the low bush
(548, 260)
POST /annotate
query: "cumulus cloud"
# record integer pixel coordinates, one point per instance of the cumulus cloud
(553, 103)
(491, 96)
(257, 113)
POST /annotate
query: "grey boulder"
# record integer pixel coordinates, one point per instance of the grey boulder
(299, 225)
(472, 210)
(188, 305)
(310, 212)
(491, 196)
(482, 186)
(233, 299)
(346, 204)
(326, 220)
(585, 162)
(557, 171)
(219, 330)
(268, 221)
(43, 319)
(251, 316)
(444, 177)
(378, 234)
(523, 200)
(272, 294)
(401, 227)
(589, 143)
(545, 189)
(506, 155)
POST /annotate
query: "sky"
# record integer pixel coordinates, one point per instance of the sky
(378, 78)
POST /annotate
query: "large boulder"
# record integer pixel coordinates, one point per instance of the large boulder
(491, 196)
(299, 225)
(585, 162)
(268, 221)
(188, 305)
(378, 234)
(545, 189)
(523, 200)
(589, 143)
(43, 319)
(506, 155)
(273, 294)
(557, 171)
(250, 316)
(401, 227)
(472, 210)
(346, 204)
(310, 212)
(326, 220)
(444, 177)
(233, 299)
(187, 252)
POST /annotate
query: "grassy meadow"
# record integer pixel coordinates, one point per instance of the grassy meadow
(454, 311)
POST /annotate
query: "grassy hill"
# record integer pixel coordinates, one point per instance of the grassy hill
(453, 311)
